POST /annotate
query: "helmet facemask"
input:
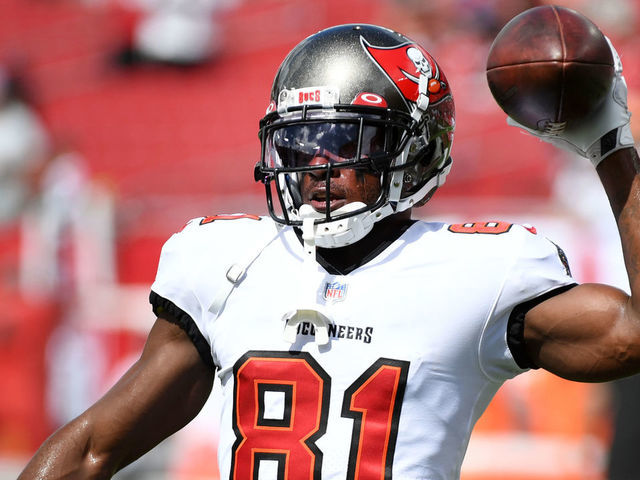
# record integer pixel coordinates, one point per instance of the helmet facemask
(313, 142)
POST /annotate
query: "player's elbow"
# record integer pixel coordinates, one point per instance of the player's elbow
(72, 452)
(95, 460)
(96, 467)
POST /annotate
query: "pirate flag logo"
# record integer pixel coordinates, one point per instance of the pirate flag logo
(412, 70)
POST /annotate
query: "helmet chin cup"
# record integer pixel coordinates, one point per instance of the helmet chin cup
(338, 233)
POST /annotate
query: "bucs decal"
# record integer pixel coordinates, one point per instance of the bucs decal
(405, 65)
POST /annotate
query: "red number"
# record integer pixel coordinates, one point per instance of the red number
(374, 401)
(494, 228)
(289, 440)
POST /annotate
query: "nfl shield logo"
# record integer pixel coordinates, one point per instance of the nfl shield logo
(335, 291)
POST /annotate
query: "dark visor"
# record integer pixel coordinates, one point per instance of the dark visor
(293, 146)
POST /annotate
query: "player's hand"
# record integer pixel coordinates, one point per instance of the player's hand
(604, 132)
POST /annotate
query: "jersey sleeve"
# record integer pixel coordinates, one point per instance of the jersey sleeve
(173, 295)
(538, 270)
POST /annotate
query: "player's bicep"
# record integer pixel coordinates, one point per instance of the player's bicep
(584, 333)
(162, 392)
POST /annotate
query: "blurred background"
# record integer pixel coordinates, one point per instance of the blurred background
(122, 119)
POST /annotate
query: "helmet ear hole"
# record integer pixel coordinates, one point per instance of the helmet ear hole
(421, 166)
(425, 155)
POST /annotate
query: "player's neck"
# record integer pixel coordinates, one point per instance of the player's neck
(344, 260)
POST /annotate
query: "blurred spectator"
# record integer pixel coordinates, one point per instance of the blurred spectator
(48, 223)
(23, 145)
(67, 231)
(174, 32)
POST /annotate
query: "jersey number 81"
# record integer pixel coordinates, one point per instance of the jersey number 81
(373, 401)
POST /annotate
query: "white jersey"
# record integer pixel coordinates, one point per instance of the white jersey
(418, 343)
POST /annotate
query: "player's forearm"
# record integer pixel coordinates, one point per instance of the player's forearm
(619, 176)
(67, 454)
(617, 173)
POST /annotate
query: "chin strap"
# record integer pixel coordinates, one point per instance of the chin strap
(311, 312)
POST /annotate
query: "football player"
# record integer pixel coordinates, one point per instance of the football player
(351, 341)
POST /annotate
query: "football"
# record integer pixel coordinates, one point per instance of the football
(549, 67)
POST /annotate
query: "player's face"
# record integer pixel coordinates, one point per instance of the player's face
(346, 185)
(328, 145)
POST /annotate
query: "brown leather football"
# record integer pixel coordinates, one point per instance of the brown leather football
(549, 67)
